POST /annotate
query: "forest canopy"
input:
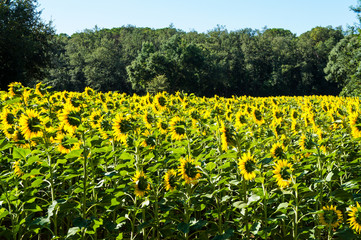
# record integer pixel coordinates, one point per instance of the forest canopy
(267, 62)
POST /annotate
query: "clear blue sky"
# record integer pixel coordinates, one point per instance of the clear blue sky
(298, 16)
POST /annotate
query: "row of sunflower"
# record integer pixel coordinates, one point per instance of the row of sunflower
(95, 165)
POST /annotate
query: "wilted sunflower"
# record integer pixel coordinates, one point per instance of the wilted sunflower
(141, 184)
(31, 124)
(177, 128)
(247, 166)
(355, 218)
(283, 173)
(70, 118)
(330, 216)
(278, 150)
(188, 170)
(121, 126)
(170, 180)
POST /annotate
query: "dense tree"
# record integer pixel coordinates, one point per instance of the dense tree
(24, 42)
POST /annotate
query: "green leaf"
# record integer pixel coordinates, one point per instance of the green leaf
(72, 231)
(239, 204)
(3, 213)
(183, 227)
(37, 183)
(120, 236)
(253, 198)
(75, 153)
(329, 177)
(42, 221)
(21, 153)
(4, 144)
(282, 205)
(210, 166)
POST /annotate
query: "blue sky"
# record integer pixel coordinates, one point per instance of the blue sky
(298, 16)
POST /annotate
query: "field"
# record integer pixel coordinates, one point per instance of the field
(97, 165)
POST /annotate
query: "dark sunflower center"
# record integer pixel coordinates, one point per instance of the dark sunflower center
(163, 125)
(172, 180)
(75, 102)
(34, 124)
(66, 144)
(124, 126)
(162, 101)
(242, 119)
(295, 115)
(358, 123)
(150, 141)
(358, 216)
(10, 118)
(190, 170)
(278, 114)
(74, 119)
(257, 115)
(278, 152)
(330, 216)
(179, 130)
(105, 125)
(249, 166)
(285, 173)
(142, 183)
(150, 119)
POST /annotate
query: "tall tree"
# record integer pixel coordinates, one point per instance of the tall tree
(24, 42)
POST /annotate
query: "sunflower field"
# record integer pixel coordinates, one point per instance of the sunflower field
(95, 165)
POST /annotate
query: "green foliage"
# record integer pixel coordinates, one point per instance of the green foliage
(24, 42)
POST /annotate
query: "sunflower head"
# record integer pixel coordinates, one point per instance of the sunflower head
(31, 124)
(247, 166)
(278, 150)
(160, 102)
(170, 180)
(141, 184)
(15, 89)
(188, 170)
(330, 216)
(257, 116)
(162, 126)
(227, 136)
(177, 128)
(283, 173)
(355, 218)
(121, 127)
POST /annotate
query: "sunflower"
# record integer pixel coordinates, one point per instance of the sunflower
(148, 120)
(105, 129)
(278, 150)
(31, 124)
(141, 184)
(188, 170)
(355, 218)
(257, 116)
(330, 216)
(162, 126)
(355, 123)
(8, 118)
(66, 143)
(177, 128)
(241, 119)
(70, 118)
(95, 119)
(15, 89)
(160, 102)
(149, 139)
(247, 166)
(283, 173)
(121, 127)
(170, 180)
(227, 138)
(17, 169)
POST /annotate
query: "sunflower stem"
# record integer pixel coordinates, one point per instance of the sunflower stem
(245, 192)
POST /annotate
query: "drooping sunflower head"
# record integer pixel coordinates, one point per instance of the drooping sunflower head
(177, 128)
(278, 150)
(283, 173)
(170, 180)
(31, 124)
(141, 184)
(355, 218)
(247, 166)
(188, 170)
(330, 216)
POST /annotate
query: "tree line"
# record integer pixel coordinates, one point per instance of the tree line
(267, 62)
